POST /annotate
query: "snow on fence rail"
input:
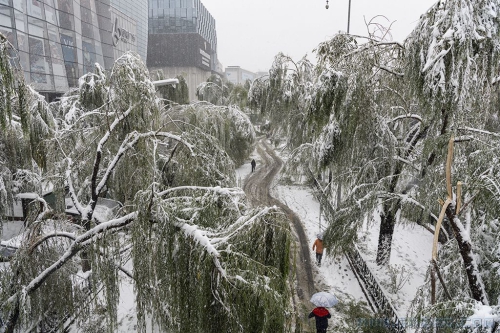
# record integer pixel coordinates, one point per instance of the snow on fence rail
(378, 298)
(371, 288)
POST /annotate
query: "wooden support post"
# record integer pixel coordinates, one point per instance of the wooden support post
(440, 219)
(433, 285)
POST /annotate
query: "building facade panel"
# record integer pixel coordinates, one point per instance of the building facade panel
(136, 11)
(179, 50)
(190, 20)
(60, 40)
(182, 41)
(124, 33)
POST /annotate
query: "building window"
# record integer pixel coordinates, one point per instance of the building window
(66, 20)
(20, 5)
(50, 15)
(88, 57)
(65, 6)
(35, 8)
(38, 63)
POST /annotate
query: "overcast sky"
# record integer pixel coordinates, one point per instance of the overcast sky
(251, 32)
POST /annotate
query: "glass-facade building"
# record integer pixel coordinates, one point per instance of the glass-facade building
(60, 40)
(189, 19)
(135, 14)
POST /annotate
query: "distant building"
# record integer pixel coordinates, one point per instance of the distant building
(238, 75)
(60, 40)
(182, 41)
(261, 74)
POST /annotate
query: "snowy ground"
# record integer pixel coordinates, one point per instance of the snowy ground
(410, 258)
(11, 229)
(411, 251)
(410, 255)
(334, 272)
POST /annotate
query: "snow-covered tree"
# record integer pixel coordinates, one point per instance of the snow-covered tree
(183, 234)
(173, 94)
(283, 97)
(214, 90)
(222, 92)
(239, 95)
(386, 112)
(228, 124)
(25, 121)
(453, 62)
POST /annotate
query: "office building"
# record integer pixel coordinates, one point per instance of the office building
(134, 14)
(238, 75)
(182, 41)
(60, 40)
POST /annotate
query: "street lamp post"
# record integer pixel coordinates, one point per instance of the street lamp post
(348, 14)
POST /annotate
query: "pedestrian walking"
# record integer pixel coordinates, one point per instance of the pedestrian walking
(321, 314)
(318, 247)
(253, 165)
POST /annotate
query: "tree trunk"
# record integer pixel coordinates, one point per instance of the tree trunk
(388, 220)
(339, 194)
(84, 255)
(475, 282)
(13, 318)
(85, 260)
(433, 285)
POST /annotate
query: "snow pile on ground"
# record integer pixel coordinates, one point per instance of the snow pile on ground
(410, 259)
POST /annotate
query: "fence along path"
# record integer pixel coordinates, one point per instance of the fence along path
(374, 294)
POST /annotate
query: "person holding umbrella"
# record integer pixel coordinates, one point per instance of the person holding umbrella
(322, 300)
(322, 316)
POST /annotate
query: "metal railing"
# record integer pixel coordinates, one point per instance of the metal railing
(370, 286)
(377, 296)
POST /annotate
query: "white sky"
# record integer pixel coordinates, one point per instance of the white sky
(251, 32)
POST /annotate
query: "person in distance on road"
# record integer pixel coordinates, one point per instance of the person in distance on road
(318, 246)
(253, 165)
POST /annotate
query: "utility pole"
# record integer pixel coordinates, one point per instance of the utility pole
(349, 17)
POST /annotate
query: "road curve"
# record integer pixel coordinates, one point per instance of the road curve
(257, 188)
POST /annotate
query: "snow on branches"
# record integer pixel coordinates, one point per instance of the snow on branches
(179, 219)
(455, 51)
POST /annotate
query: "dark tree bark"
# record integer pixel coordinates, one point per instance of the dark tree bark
(388, 216)
(388, 220)
(465, 246)
(13, 318)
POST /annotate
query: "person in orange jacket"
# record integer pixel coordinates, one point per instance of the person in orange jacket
(318, 246)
